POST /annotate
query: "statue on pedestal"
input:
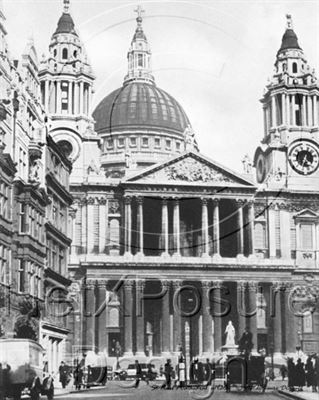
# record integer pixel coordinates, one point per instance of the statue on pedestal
(230, 332)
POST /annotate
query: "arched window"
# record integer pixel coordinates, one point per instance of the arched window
(54, 53)
(294, 67)
(64, 54)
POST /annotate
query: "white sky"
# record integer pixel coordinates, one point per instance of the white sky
(213, 56)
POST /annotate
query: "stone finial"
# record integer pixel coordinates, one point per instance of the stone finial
(289, 21)
(66, 7)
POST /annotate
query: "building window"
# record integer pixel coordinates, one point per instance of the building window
(64, 96)
(3, 264)
(110, 143)
(168, 144)
(157, 143)
(294, 67)
(121, 142)
(178, 146)
(140, 60)
(64, 54)
(306, 236)
(21, 276)
(145, 142)
(23, 218)
(307, 322)
(260, 235)
(133, 141)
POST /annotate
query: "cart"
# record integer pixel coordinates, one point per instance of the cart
(246, 372)
(22, 370)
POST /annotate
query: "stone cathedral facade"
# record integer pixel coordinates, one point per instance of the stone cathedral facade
(167, 244)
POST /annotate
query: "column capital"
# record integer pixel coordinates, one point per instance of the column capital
(140, 284)
(241, 202)
(206, 284)
(139, 199)
(102, 283)
(177, 283)
(216, 201)
(204, 201)
(164, 200)
(127, 199)
(217, 284)
(102, 201)
(241, 285)
(278, 286)
(166, 283)
(176, 201)
(251, 202)
(252, 286)
(90, 283)
(128, 284)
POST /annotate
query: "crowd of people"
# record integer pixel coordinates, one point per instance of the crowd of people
(301, 374)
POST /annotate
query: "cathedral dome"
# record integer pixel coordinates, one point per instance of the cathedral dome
(140, 105)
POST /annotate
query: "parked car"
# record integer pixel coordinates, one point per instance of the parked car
(130, 372)
(22, 369)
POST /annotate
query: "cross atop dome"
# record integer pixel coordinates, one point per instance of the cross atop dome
(139, 10)
(66, 4)
(289, 21)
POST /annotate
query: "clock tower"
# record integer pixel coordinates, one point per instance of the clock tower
(288, 158)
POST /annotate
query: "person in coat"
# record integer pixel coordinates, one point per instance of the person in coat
(291, 374)
(168, 374)
(300, 377)
(138, 373)
(310, 372)
(78, 376)
(64, 374)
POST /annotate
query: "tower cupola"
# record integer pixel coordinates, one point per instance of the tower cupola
(139, 55)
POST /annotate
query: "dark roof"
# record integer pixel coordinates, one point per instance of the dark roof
(289, 41)
(65, 25)
(139, 105)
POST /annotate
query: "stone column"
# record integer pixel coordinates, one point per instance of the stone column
(128, 225)
(207, 319)
(101, 316)
(304, 112)
(59, 104)
(293, 110)
(309, 106)
(90, 228)
(140, 331)
(277, 317)
(216, 290)
(288, 109)
(70, 98)
(272, 231)
(315, 111)
(252, 311)
(89, 314)
(47, 95)
(165, 242)
(140, 227)
(102, 224)
(205, 244)
(273, 111)
(283, 109)
(128, 318)
(240, 234)
(176, 228)
(251, 227)
(265, 121)
(216, 234)
(291, 322)
(284, 216)
(84, 225)
(165, 317)
(89, 101)
(177, 324)
(81, 96)
(76, 98)
(241, 306)
(72, 214)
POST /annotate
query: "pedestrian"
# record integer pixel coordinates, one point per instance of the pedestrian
(64, 374)
(78, 376)
(138, 373)
(208, 371)
(181, 371)
(310, 372)
(2, 394)
(300, 378)
(245, 342)
(283, 371)
(168, 373)
(291, 374)
(149, 374)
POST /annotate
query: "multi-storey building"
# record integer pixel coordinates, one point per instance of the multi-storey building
(34, 208)
(168, 245)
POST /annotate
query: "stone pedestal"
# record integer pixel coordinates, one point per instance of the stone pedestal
(230, 349)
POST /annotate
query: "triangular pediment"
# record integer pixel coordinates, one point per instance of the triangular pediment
(307, 213)
(190, 169)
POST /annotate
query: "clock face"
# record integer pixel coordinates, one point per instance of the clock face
(304, 158)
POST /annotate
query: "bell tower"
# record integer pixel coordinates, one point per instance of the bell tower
(66, 89)
(289, 155)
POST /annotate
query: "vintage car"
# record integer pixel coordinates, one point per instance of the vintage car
(22, 370)
(245, 372)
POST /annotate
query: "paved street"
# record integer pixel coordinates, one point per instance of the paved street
(114, 391)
